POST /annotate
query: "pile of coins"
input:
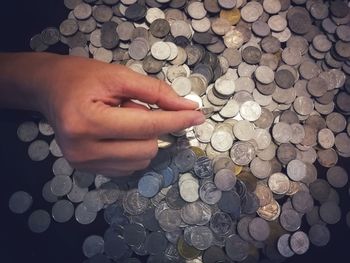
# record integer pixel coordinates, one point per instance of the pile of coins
(273, 78)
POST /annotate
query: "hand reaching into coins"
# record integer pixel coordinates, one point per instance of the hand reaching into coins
(89, 104)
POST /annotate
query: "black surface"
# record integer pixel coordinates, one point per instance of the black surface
(62, 242)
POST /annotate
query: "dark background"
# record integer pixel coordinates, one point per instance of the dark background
(19, 21)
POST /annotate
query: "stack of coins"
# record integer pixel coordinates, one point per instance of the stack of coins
(273, 79)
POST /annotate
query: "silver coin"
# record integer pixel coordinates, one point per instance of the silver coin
(55, 149)
(39, 221)
(45, 128)
(62, 167)
(222, 139)
(250, 110)
(92, 201)
(201, 237)
(83, 215)
(47, 193)
(20, 202)
(93, 245)
(209, 194)
(242, 153)
(284, 247)
(27, 131)
(61, 185)
(38, 150)
(299, 242)
(62, 211)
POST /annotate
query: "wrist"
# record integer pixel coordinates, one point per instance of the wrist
(25, 80)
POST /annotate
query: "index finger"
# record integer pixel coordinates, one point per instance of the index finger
(150, 90)
(131, 123)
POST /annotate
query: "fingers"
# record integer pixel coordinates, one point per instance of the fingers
(132, 104)
(112, 168)
(115, 158)
(150, 90)
(131, 123)
(126, 150)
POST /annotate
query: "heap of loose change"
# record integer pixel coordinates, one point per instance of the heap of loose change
(273, 77)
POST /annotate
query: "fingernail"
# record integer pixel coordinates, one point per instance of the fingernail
(194, 103)
(199, 120)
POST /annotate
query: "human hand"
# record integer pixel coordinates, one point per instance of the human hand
(79, 100)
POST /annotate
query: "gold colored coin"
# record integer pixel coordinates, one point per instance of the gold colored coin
(264, 194)
(198, 151)
(254, 252)
(278, 55)
(237, 169)
(276, 231)
(232, 15)
(233, 39)
(249, 179)
(270, 212)
(294, 187)
(186, 251)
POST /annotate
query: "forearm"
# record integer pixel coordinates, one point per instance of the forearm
(23, 78)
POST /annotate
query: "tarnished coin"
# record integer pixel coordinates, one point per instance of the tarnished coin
(221, 223)
(185, 160)
(330, 212)
(337, 176)
(201, 237)
(299, 242)
(209, 193)
(296, 170)
(236, 248)
(319, 235)
(283, 246)
(225, 179)
(302, 202)
(290, 220)
(186, 251)
(259, 229)
(232, 16)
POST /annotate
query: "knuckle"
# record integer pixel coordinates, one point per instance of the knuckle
(161, 88)
(71, 128)
(151, 129)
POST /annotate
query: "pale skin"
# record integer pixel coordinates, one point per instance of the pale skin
(88, 103)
